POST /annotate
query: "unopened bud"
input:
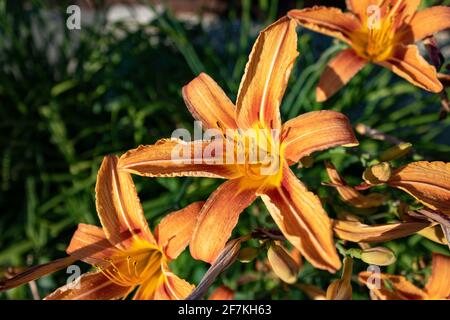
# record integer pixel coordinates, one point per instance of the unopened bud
(247, 254)
(396, 152)
(341, 289)
(378, 256)
(282, 263)
(378, 173)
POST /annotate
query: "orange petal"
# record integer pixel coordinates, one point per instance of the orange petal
(91, 286)
(175, 230)
(426, 23)
(402, 289)
(118, 205)
(303, 221)
(350, 194)
(329, 21)
(358, 232)
(218, 218)
(36, 272)
(222, 293)
(338, 73)
(428, 182)
(92, 242)
(209, 104)
(175, 158)
(266, 75)
(407, 62)
(173, 288)
(316, 131)
(438, 286)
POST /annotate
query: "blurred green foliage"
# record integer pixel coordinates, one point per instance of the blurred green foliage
(113, 87)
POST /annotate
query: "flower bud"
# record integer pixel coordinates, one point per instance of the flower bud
(396, 152)
(378, 173)
(282, 263)
(341, 289)
(247, 254)
(378, 256)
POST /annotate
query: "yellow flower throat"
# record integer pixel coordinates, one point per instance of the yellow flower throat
(259, 155)
(135, 266)
(376, 39)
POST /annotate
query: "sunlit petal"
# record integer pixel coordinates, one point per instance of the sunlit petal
(118, 205)
(209, 104)
(175, 158)
(329, 21)
(407, 62)
(266, 75)
(300, 216)
(218, 218)
(316, 131)
(428, 182)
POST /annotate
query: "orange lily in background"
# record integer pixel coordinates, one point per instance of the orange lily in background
(377, 31)
(437, 287)
(298, 212)
(125, 252)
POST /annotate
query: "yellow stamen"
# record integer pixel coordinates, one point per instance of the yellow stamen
(135, 266)
(376, 42)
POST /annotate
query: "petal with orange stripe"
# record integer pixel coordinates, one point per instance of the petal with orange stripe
(300, 216)
(118, 205)
(209, 104)
(316, 131)
(266, 76)
(176, 158)
(428, 182)
(329, 21)
(218, 218)
(407, 63)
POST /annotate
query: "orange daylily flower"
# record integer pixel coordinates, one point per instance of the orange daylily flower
(377, 31)
(124, 251)
(298, 212)
(437, 287)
